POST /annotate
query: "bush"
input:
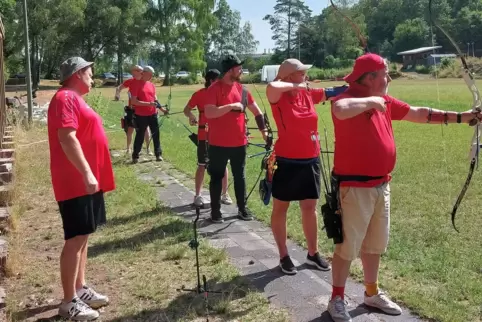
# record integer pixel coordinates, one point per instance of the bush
(332, 62)
(421, 69)
(328, 74)
(446, 62)
(251, 78)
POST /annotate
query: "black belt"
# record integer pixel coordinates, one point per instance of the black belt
(355, 177)
(201, 126)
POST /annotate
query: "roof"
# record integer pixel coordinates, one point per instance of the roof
(418, 50)
(443, 55)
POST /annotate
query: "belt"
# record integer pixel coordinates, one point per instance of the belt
(201, 126)
(359, 178)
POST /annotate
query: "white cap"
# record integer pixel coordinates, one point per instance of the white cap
(148, 69)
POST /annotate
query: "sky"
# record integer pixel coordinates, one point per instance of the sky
(254, 11)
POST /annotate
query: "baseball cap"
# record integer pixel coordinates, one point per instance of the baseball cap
(367, 63)
(71, 66)
(148, 69)
(289, 66)
(212, 74)
(229, 62)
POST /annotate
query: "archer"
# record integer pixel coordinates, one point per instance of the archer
(145, 103)
(129, 119)
(365, 155)
(297, 153)
(225, 108)
(198, 100)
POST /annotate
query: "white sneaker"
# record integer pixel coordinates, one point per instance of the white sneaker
(226, 199)
(92, 298)
(199, 201)
(149, 152)
(382, 302)
(337, 308)
(77, 310)
(128, 151)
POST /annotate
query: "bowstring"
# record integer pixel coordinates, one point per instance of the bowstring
(444, 145)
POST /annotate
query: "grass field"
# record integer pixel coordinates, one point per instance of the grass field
(429, 266)
(140, 258)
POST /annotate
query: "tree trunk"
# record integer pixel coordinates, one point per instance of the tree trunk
(120, 78)
(167, 68)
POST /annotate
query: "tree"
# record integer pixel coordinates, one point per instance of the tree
(223, 39)
(288, 16)
(179, 26)
(411, 34)
(246, 43)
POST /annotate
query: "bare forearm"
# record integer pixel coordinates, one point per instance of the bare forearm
(350, 107)
(435, 116)
(187, 111)
(281, 87)
(213, 111)
(136, 102)
(73, 151)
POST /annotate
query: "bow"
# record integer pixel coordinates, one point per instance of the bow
(363, 41)
(167, 107)
(476, 108)
(267, 146)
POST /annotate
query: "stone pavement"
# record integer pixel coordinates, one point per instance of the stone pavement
(252, 249)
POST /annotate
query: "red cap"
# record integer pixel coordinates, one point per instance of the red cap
(365, 64)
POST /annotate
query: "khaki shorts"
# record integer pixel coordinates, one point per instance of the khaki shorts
(366, 221)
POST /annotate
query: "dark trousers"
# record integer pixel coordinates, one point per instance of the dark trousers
(142, 122)
(218, 160)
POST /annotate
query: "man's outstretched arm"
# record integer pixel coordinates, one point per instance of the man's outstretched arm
(434, 116)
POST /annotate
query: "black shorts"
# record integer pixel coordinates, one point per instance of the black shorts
(296, 179)
(202, 152)
(128, 118)
(82, 215)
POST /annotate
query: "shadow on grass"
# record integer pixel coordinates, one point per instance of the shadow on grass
(27, 313)
(178, 229)
(158, 211)
(189, 305)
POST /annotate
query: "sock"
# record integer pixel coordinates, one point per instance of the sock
(338, 291)
(371, 289)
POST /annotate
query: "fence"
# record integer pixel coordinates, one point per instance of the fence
(3, 105)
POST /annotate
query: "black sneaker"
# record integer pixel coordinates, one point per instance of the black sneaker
(217, 216)
(287, 266)
(134, 161)
(318, 261)
(159, 158)
(245, 214)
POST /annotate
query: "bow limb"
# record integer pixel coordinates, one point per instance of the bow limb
(268, 145)
(363, 41)
(476, 108)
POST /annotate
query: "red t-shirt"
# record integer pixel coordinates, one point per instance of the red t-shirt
(198, 99)
(146, 92)
(68, 110)
(297, 124)
(128, 84)
(228, 130)
(364, 144)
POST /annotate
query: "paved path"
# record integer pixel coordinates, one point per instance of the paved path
(251, 248)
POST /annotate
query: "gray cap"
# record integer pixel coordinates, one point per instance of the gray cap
(71, 66)
(148, 69)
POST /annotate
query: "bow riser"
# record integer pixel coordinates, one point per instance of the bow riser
(470, 81)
